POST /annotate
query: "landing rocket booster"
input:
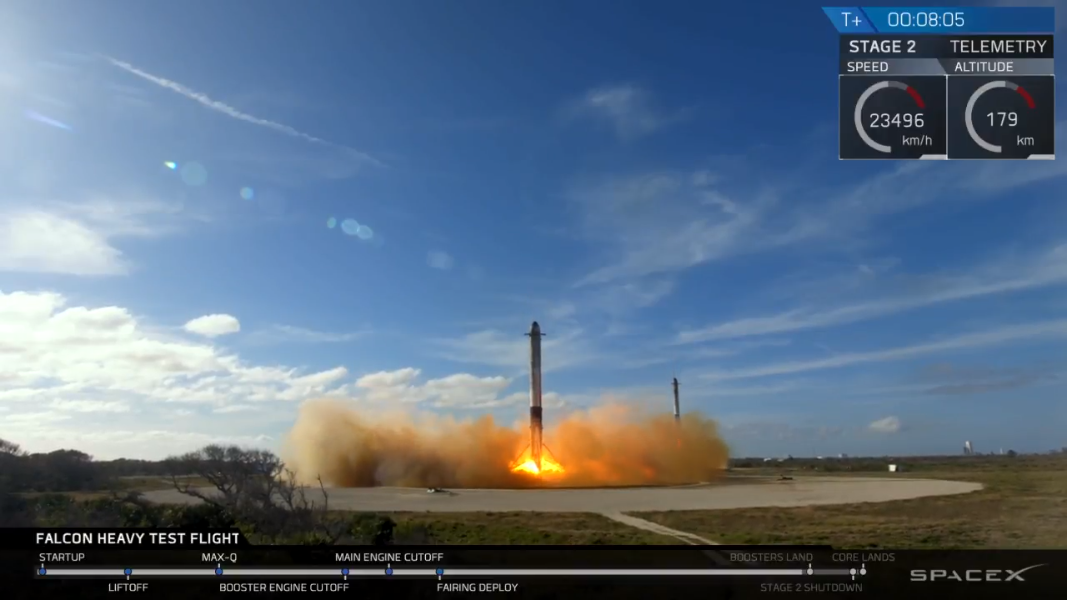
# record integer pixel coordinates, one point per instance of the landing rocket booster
(677, 409)
(536, 422)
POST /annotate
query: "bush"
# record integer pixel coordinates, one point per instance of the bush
(264, 497)
(197, 516)
(252, 491)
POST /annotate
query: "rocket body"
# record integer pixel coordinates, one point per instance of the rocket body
(536, 421)
(677, 407)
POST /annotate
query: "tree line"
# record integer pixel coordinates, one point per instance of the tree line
(1009, 460)
(248, 489)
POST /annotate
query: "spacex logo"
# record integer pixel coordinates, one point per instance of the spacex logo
(971, 575)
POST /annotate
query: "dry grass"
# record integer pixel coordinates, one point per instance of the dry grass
(1023, 505)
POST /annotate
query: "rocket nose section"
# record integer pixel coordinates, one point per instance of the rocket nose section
(535, 327)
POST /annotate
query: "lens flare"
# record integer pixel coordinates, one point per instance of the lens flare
(364, 233)
(173, 166)
(247, 193)
(331, 222)
(611, 444)
(194, 174)
(350, 227)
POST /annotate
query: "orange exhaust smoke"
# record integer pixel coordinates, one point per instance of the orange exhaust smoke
(612, 444)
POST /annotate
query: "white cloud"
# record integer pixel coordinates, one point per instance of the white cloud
(439, 259)
(213, 325)
(279, 334)
(77, 238)
(886, 425)
(388, 379)
(320, 380)
(1045, 270)
(230, 111)
(468, 391)
(1013, 333)
(562, 310)
(655, 223)
(90, 406)
(704, 178)
(627, 108)
(622, 298)
(32, 420)
(126, 216)
(458, 391)
(54, 352)
(666, 221)
(234, 408)
(512, 351)
(70, 373)
(39, 242)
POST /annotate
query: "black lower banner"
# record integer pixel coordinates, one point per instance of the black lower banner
(44, 563)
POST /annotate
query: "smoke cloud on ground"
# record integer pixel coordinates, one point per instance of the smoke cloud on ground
(612, 444)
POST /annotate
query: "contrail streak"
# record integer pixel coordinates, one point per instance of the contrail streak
(230, 111)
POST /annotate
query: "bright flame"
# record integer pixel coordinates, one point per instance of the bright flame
(526, 464)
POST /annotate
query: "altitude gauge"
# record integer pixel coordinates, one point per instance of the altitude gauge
(1002, 117)
(896, 117)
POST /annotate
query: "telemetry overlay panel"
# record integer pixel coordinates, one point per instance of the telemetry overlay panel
(946, 83)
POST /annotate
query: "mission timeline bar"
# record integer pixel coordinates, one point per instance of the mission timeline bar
(440, 573)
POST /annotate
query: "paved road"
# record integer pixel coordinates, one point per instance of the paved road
(803, 491)
(683, 536)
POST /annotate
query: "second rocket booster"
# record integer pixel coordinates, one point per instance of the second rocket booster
(677, 408)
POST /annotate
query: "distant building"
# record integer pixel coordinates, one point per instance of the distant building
(968, 449)
(842, 455)
(895, 468)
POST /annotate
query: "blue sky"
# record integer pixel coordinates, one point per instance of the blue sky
(660, 191)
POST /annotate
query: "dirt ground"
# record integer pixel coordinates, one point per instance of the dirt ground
(803, 492)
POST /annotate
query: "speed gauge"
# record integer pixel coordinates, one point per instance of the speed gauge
(897, 117)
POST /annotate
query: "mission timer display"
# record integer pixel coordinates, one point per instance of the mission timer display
(896, 117)
(946, 83)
